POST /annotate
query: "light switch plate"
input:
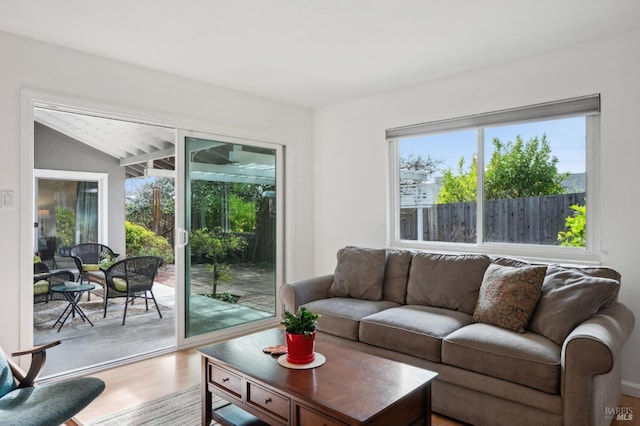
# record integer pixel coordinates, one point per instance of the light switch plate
(7, 198)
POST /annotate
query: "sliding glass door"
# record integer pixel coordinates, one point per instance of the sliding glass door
(231, 232)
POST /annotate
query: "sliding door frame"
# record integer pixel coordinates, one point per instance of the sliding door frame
(32, 98)
(182, 238)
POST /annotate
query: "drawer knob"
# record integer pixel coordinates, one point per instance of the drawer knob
(226, 379)
(268, 400)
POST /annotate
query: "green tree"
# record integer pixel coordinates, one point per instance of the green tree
(215, 247)
(515, 170)
(419, 163)
(140, 208)
(215, 203)
(242, 214)
(461, 187)
(519, 169)
(576, 233)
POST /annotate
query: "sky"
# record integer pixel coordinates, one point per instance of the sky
(565, 136)
(133, 184)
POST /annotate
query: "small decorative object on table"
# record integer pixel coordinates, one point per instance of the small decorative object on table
(275, 350)
(301, 335)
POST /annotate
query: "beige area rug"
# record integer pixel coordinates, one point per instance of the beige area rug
(46, 314)
(179, 408)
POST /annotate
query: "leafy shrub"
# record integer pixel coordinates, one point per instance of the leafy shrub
(576, 233)
(215, 246)
(142, 242)
(199, 242)
(65, 227)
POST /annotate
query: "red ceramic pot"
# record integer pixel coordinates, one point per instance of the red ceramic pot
(300, 348)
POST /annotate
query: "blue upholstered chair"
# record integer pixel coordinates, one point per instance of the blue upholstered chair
(26, 404)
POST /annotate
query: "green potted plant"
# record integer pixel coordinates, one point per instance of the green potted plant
(301, 335)
(106, 260)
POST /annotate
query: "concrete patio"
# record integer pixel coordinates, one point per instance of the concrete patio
(84, 346)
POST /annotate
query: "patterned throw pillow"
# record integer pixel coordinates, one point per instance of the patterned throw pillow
(508, 296)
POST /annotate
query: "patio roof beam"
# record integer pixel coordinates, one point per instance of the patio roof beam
(234, 169)
(224, 177)
(232, 173)
(143, 158)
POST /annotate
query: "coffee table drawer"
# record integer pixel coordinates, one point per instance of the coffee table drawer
(307, 417)
(268, 401)
(226, 380)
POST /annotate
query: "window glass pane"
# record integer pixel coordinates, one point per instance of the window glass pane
(67, 215)
(230, 275)
(434, 204)
(535, 180)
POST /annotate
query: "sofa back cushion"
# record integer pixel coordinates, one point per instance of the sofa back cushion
(449, 281)
(571, 295)
(359, 273)
(397, 275)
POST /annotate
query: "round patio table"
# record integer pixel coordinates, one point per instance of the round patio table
(72, 292)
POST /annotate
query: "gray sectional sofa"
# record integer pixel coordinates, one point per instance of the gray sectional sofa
(513, 342)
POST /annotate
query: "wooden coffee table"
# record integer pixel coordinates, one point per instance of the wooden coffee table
(351, 388)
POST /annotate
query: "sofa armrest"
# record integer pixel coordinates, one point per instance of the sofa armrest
(304, 291)
(592, 353)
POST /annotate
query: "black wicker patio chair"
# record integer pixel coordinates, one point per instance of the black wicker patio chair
(88, 258)
(48, 253)
(132, 278)
(44, 280)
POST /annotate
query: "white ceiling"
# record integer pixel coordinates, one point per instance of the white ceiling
(141, 148)
(317, 52)
(148, 150)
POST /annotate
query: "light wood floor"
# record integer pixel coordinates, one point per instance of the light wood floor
(143, 381)
(147, 380)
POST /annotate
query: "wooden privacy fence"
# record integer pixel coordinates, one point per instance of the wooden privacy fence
(530, 220)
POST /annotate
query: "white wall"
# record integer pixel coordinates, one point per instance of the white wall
(133, 90)
(350, 152)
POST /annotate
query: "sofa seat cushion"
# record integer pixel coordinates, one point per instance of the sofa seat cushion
(525, 358)
(412, 329)
(341, 316)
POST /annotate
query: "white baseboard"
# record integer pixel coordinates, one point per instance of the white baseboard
(631, 389)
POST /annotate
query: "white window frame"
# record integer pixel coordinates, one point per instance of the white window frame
(588, 106)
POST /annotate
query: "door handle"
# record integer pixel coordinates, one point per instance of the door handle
(183, 237)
